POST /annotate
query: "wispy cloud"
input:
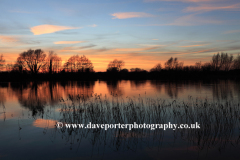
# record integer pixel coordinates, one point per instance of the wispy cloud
(21, 11)
(192, 20)
(8, 39)
(125, 15)
(197, 45)
(231, 31)
(68, 42)
(46, 28)
(207, 8)
(93, 25)
(155, 39)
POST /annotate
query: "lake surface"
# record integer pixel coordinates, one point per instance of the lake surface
(29, 112)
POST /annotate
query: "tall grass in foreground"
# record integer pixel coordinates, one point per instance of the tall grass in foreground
(219, 122)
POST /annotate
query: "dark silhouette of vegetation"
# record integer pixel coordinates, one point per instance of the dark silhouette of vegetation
(53, 63)
(32, 60)
(221, 61)
(78, 64)
(115, 65)
(35, 65)
(173, 64)
(157, 68)
(2, 62)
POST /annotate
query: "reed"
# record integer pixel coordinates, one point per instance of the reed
(219, 121)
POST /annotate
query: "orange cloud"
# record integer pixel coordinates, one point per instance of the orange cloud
(68, 42)
(125, 15)
(46, 28)
(211, 8)
(7, 39)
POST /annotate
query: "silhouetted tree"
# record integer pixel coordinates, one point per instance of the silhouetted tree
(9, 67)
(137, 70)
(115, 65)
(53, 62)
(19, 65)
(2, 62)
(156, 68)
(79, 64)
(226, 61)
(33, 60)
(84, 64)
(124, 70)
(207, 67)
(236, 63)
(198, 66)
(223, 61)
(173, 64)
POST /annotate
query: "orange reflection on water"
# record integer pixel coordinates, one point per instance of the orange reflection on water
(44, 123)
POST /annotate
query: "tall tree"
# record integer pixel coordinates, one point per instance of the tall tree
(236, 62)
(221, 61)
(33, 60)
(53, 62)
(173, 64)
(2, 62)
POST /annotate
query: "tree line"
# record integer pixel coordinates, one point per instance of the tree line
(36, 61)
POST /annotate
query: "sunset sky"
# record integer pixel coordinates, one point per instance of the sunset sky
(140, 32)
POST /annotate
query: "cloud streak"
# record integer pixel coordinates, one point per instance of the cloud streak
(68, 42)
(232, 31)
(8, 39)
(192, 20)
(207, 8)
(93, 25)
(197, 45)
(125, 15)
(46, 28)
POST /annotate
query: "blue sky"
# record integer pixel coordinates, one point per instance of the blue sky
(140, 32)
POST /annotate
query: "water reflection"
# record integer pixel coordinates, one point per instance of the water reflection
(114, 88)
(85, 101)
(34, 95)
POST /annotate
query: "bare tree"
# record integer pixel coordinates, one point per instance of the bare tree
(236, 63)
(53, 62)
(20, 65)
(84, 64)
(223, 61)
(9, 67)
(156, 68)
(115, 65)
(2, 62)
(33, 60)
(226, 61)
(79, 64)
(173, 64)
(198, 65)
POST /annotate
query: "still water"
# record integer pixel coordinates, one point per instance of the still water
(30, 110)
